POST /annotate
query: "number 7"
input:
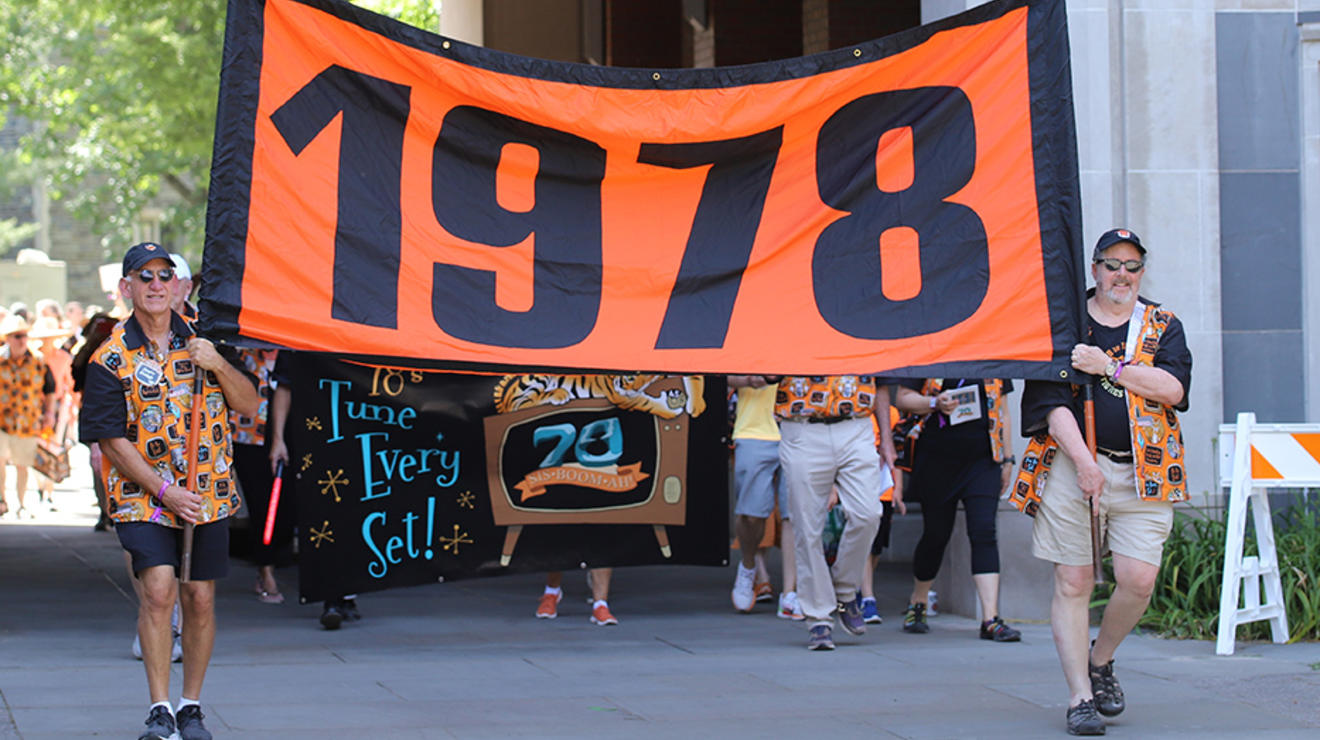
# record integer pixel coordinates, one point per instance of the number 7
(720, 244)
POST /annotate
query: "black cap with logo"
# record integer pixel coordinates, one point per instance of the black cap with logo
(1114, 236)
(140, 254)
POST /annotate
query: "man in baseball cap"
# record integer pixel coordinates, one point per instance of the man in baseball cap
(135, 402)
(183, 287)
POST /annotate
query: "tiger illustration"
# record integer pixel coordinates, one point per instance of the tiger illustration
(628, 392)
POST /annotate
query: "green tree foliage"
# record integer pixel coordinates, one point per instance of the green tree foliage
(122, 95)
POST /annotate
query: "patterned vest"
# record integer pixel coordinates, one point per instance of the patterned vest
(825, 396)
(21, 399)
(158, 400)
(252, 430)
(1157, 449)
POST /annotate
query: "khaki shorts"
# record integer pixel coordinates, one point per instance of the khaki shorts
(20, 451)
(1129, 525)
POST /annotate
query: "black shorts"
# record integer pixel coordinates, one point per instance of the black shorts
(153, 544)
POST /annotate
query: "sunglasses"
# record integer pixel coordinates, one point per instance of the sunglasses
(165, 274)
(1112, 264)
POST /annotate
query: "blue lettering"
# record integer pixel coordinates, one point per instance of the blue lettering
(369, 483)
(408, 520)
(335, 385)
(448, 469)
(394, 543)
(379, 568)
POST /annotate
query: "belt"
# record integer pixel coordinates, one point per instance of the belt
(828, 419)
(1118, 457)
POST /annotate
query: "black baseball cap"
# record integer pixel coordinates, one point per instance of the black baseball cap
(1114, 236)
(140, 254)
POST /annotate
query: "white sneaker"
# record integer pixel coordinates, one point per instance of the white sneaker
(744, 595)
(789, 608)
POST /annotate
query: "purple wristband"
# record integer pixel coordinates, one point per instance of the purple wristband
(1119, 371)
(161, 491)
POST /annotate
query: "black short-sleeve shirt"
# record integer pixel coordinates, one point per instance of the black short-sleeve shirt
(1111, 414)
(938, 433)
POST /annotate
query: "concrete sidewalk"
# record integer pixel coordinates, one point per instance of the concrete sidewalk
(468, 660)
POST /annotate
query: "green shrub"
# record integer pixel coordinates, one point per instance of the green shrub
(1185, 602)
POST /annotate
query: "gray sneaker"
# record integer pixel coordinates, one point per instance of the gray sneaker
(850, 616)
(190, 724)
(820, 638)
(160, 725)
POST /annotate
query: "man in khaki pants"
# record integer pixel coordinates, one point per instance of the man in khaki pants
(826, 440)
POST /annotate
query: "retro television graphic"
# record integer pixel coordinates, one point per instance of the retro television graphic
(591, 461)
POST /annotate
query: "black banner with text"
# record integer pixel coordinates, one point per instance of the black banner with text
(407, 476)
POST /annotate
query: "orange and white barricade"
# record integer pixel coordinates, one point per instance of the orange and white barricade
(1254, 458)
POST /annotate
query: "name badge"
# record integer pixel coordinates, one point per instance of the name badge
(148, 373)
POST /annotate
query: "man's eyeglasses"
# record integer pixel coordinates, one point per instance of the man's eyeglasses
(166, 274)
(1112, 264)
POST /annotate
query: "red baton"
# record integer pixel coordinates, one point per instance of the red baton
(274, 503)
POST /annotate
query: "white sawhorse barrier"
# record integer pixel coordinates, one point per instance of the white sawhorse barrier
(1252, 459)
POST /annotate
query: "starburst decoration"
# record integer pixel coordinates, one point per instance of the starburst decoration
(306, 462)
(313, 422)
(332, 482)
(467, 500)
(324, 535)
(452, 543)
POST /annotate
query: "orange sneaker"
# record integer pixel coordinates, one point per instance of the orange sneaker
(549, 606)
(764, 591)
(601, 615)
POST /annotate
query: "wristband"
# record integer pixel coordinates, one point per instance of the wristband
(161, 491)
(1119, 371)
(1010, 460)
(934, 400)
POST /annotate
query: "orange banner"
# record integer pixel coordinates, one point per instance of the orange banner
(905, 203)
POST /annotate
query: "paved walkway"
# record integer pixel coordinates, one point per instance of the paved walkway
(467, 660)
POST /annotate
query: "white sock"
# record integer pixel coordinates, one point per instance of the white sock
(186, 702)
(165, 704)
(554, 590)
(599, 603)
(744, 569)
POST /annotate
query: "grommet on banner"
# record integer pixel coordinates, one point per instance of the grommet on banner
(1063, 373)
(445, 45)
(857, 52)
(655, 76)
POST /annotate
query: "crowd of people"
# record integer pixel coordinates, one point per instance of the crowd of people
(821, 465)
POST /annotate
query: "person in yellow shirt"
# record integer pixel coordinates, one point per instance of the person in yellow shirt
(760, 486)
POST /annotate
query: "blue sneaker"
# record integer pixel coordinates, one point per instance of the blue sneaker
(870, 614)
(850, 616)
(819, 638)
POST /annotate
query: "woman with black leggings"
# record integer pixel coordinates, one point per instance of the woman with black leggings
(960, 457)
